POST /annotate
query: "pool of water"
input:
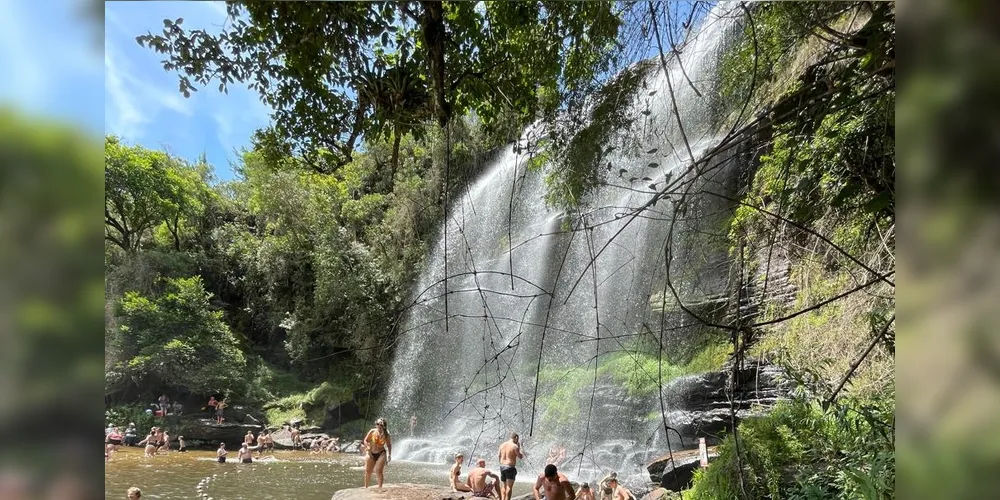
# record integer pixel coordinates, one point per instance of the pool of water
(286, 475)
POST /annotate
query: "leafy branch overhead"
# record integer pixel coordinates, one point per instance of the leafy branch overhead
(339, 72)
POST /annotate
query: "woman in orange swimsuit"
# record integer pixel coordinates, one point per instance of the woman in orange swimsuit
(379, 445)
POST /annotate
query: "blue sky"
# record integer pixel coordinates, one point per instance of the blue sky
(51, 59)
(141, 100)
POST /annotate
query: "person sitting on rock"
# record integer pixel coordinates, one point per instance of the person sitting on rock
(619, 492)
(333, 445)
(477, 481)
(316, 446)
(607, 491)
(454, 472)
(585, 492)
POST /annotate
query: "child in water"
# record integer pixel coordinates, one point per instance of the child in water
(222, 453)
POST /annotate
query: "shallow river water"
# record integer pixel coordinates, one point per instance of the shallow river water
(288, 475)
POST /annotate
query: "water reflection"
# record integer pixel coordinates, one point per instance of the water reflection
(286, 475)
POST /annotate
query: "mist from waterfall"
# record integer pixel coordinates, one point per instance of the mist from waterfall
(522, 294)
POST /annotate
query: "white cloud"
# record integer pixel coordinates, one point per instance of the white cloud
(121, 113)
(134, 102)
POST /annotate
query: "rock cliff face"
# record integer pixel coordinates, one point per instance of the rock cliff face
(701, 407)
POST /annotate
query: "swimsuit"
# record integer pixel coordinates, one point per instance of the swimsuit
(248, 460)
(222, 459)
(485, 492)
(379, 440)
(508, 472)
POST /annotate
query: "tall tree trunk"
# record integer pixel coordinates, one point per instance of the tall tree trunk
(395, 156)
(175, 231)
(432, 23)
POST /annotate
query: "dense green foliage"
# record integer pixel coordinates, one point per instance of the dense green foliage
(178, 337)
(278, 282)
(822, 191)
(801, 451)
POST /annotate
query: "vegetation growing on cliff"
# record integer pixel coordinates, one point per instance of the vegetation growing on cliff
(819, 207)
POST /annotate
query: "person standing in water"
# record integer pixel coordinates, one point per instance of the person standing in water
(245, 455)
(454, 472)
(180, 444)
(221, 452)
(379, 446)
(413, 424)
(555, 485)
(510, 451)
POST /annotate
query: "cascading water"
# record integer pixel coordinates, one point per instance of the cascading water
(531, 290)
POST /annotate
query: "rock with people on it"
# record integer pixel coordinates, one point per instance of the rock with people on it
(404, 491)
(204, 429)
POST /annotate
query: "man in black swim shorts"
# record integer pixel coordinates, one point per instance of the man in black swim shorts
(510, 451)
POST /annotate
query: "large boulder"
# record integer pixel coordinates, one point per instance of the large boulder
(402, 491)
(244, 415)
(351, 447)
(205, 429)
(674, 472)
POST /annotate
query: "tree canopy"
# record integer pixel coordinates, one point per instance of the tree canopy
(335, 72)
(177, 337)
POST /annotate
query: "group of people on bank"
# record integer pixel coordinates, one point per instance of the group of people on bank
(551, 483)
(157, 441)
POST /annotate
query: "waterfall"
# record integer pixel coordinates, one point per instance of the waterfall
(522, 293)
